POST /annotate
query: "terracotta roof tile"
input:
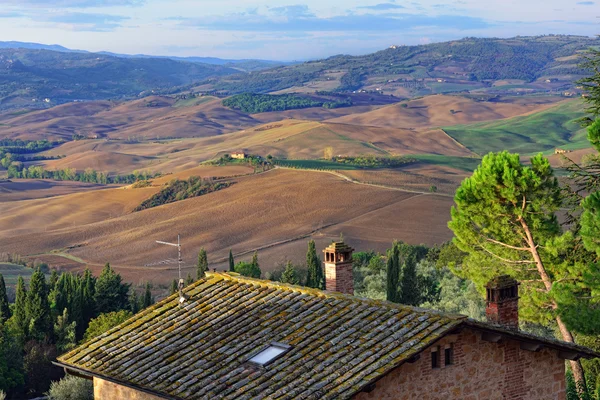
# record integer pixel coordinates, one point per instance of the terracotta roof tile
(200, 350)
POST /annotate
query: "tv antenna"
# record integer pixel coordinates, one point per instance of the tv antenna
(181, 282)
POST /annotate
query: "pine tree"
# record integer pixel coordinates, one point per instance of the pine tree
(148, 300)
(37, 308)
(231, 262)
(174, 288)
(20, 314)
(64, 332)
(393, 274)
(290, 275)
(4, 306)
(202, 264)
(315, 278)
(506, 219)
(111, 294)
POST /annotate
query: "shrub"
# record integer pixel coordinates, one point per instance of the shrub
(71, 388)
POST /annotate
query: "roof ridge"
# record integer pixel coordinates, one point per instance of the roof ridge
(234, 276)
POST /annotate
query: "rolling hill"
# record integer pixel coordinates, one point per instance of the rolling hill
(272, 211)
(467, 64)
(546, 130)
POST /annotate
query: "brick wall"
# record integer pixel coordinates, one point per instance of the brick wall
(504, 313)
(338, 278)
(106, 390)
(481, 371)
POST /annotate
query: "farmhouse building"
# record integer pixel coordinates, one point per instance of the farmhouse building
(232, 337)
(238, 154)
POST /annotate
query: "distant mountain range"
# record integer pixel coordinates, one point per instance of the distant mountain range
(243, 64)
(35, 75)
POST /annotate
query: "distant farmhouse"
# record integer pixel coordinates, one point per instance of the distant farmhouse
(230, 337)
(238, 155)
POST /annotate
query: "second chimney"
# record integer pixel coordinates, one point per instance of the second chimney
(502, 305)
(338, 268)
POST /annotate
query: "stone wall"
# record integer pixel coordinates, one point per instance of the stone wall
(480, 371)
(105, 390)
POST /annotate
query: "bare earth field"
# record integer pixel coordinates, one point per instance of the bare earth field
(413, 177)
(265, 212)
(26, 189)
(440, 110)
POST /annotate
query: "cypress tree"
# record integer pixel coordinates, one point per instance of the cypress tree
(134, 302)
(174, 287)
(202, 264)
(37, 308)
(290, 275)
(410, 293)
(255, 260)
(188, 279)
(231, 262)
(88, 301)
(393, 274)
(4, 307)
(53, 280)
(315, 278)
(148, 300)
(20, 304)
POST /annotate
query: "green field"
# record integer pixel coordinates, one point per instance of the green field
(11, 273)
(539, 132)
(464, 163)
(194, 101)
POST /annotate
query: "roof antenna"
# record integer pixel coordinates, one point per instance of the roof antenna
(182, 297)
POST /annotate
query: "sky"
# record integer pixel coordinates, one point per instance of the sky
(282, 30)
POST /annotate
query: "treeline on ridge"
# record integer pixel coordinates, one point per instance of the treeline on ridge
(182, 189)
(256, 103)
(17, 170)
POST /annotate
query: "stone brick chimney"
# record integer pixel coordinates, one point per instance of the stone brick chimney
(502, 305)
(338, 268)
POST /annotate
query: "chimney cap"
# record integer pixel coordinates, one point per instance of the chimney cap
(501, 282)
(338, 247)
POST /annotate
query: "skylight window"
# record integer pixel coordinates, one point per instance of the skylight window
(270, 354)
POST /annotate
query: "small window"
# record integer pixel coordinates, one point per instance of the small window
(270, 354)
(449, 355)
(435, 358)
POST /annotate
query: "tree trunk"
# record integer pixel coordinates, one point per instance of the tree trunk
(578, 374)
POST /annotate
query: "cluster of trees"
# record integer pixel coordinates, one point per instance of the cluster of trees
(257, 103)
(182, 189)
(371, 161)
(18, 170)
(18, 146)
(50, 316)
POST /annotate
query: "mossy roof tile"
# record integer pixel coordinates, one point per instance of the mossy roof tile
(200, 350)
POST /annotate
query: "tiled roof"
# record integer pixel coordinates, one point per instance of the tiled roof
(200, 350)
(340, 344)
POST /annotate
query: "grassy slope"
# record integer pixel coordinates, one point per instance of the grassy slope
(541, 131)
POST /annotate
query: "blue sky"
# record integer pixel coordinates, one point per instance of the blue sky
(282, 30)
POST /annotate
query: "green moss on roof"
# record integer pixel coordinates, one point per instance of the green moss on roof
(200, 350)
(340, 343)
